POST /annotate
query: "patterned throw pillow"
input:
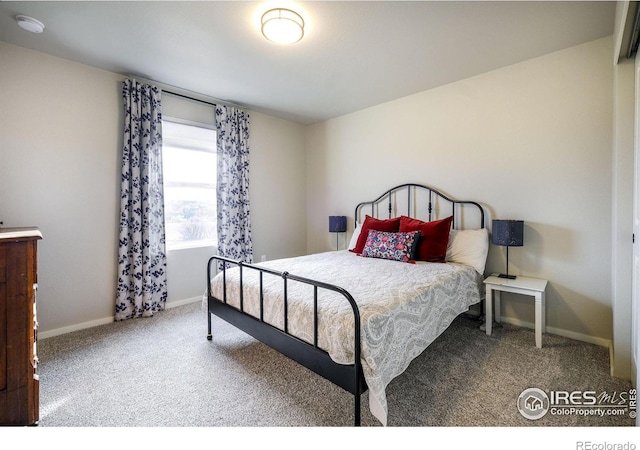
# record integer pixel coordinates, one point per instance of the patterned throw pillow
(434, 237)
(371, 223)
(389, 245)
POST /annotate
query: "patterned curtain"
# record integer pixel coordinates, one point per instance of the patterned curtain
(142, 283)
(234, 224)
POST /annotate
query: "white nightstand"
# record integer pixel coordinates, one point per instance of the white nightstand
(534, 287)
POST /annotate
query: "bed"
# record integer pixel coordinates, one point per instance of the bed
(358, 317)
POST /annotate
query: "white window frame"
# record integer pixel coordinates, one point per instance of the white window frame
(199, 243)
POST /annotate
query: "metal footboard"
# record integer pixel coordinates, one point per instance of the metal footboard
(348, 377)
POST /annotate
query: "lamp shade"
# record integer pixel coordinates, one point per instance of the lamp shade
(508, 232)
(337, 224)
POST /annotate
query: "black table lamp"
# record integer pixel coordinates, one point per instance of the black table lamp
(337, 224)
(509, 233)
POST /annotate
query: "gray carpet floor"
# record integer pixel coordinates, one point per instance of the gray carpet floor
(163, 372)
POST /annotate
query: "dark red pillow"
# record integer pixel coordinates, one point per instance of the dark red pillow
(371, 223)
(434, 237)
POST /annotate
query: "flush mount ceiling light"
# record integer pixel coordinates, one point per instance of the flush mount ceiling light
(282, 26)
(30, 24)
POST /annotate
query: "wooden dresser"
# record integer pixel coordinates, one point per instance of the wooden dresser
(19, 385)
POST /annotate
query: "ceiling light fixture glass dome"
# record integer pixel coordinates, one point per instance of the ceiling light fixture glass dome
(282, 25)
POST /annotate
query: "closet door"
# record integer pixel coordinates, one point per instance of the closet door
(635, 293)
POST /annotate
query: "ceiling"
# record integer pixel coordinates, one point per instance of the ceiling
(354, 54)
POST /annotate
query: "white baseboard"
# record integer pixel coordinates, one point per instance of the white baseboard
(182, 302)
(106, 320)
(76, 327)
(560, 332)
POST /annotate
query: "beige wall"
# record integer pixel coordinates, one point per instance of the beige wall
(59, 142)
(277, 189)
(60, 128)
(530, 141)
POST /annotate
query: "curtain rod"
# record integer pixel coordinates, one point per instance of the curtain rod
(164, 91)
(186, 94)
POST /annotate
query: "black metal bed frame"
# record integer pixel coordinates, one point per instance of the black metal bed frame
(347, 376)
(431, 209)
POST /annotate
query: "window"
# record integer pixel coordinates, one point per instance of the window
(189, 172)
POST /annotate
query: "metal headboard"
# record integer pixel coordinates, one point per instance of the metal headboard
(436, 205)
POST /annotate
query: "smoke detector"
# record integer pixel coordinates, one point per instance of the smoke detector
(30, 24)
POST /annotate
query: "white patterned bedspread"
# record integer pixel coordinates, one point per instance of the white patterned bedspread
(403, 308)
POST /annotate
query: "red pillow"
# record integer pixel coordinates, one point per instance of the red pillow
(434, 237)
(371, 223)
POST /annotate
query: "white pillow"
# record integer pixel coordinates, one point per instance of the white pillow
(469, 247)
(354, 236)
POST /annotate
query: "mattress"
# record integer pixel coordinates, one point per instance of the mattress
(403, 308)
